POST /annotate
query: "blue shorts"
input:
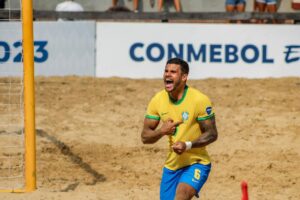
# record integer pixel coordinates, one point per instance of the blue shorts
(235, 2)
(194, 175)
(268, 2)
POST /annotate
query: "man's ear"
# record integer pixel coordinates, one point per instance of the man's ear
(184, 77)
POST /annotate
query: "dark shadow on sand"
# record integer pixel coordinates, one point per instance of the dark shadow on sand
(66, 150)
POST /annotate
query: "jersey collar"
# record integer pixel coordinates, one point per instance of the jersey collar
(182, 98)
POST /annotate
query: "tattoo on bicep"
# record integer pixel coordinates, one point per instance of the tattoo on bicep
(207, 125)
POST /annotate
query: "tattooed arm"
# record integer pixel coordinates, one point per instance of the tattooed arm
(209, 133)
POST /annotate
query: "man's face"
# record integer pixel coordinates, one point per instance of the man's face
(173, 77)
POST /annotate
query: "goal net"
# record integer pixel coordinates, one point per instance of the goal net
(13, 139)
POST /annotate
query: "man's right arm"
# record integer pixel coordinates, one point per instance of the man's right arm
(151, 135)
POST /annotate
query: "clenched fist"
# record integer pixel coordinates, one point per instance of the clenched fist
(179, 147)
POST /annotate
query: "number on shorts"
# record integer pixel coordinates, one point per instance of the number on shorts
(197, 174)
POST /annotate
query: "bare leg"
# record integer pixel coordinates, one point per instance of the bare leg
(261, 8)
(135, 5)
(177, 5)
(160, 5)
(240, 8)
(230, 8)
(184, 192)
(114, 2)
(272, 9)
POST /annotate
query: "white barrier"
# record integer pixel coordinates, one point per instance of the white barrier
(140, 50)
(61, 48)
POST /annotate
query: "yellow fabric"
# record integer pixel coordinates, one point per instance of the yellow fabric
(193, 107)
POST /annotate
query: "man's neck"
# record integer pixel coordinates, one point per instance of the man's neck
(177, 94)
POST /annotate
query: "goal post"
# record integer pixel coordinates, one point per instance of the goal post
(29, 97)
(17, 104)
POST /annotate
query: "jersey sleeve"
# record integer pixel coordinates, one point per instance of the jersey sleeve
(205, 109)
(152, 110)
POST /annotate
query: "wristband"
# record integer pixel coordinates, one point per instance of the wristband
(188, 145)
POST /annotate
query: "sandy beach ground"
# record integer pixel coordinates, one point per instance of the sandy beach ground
(89, 147)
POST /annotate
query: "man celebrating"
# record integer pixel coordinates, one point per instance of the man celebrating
(189, 122)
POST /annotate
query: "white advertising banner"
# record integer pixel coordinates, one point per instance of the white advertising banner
(60, 48)
(140, 50)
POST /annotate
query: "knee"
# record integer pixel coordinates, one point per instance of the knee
(185, 193)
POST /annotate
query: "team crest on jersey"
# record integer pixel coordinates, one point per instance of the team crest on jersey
(185, 116)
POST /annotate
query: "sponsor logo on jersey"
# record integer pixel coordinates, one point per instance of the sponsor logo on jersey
(164, 113)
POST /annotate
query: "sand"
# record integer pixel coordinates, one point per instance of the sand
(89, 147)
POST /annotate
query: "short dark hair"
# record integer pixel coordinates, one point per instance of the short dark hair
(184, 66)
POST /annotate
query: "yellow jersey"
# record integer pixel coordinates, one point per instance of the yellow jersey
(194, 106)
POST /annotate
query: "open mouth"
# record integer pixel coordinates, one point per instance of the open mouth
(169, 84)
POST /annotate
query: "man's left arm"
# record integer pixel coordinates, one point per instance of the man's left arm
(209, 134)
